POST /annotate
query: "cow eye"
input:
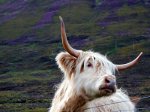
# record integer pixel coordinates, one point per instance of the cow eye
(89, 65)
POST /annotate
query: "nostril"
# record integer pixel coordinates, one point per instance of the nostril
(107, 80)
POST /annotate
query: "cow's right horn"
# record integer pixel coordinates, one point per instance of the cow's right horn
(65, 43)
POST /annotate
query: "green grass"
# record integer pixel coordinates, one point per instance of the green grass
(98, 1)
(134, 49)
(30, 55)
(133, 27)
(31, 91)
(22, 107)
(79, 19)
(19, 25)
(128, 10)
(29, 75)
(11, 97)
(3, 1)
(36, 110)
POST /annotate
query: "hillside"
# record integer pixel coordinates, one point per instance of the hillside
(30, 40)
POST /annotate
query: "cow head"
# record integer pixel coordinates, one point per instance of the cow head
(88, 72)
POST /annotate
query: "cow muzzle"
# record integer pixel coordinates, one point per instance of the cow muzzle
(109, 85)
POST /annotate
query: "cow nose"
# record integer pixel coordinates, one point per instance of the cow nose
(110, 81)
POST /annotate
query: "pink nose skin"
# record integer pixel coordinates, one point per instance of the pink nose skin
(110, 81)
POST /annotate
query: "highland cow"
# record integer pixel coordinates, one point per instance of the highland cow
(89, 83)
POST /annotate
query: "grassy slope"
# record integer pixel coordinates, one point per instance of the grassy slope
(28, 71)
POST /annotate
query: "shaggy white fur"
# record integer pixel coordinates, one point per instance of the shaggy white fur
(117, 102)
(80, 90)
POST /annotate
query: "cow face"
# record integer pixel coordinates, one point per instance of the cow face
(91, 73)
(94, 75)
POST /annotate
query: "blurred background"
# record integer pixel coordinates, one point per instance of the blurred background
(30, 40)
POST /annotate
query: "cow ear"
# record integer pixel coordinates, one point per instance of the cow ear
(66, 63)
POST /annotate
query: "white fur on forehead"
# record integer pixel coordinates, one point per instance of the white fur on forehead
(102, 59)
(66, 63)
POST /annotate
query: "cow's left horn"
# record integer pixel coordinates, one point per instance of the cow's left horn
(130, 64)
(65, 43)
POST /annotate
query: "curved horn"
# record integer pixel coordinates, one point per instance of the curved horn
(130, 64)
(65, 43)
